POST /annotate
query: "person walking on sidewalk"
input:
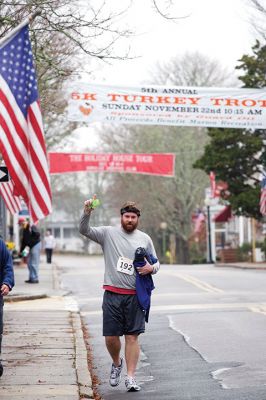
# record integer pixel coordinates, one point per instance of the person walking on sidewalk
(31, 238)
(6, 284)
(122, 314)
(49, 245)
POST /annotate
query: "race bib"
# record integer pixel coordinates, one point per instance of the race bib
(125, 265)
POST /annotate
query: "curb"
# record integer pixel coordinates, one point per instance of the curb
(241, 266)
(81, 358)
(22, 297)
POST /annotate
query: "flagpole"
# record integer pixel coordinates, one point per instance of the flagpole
(26, 21)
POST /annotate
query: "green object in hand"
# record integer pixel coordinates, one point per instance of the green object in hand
(95, 203)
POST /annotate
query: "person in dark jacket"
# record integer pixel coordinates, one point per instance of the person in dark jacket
(31, 238)
(6, 284)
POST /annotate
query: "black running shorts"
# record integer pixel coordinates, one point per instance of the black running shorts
(122, 315)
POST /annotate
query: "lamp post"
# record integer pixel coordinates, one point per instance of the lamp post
(207, 202)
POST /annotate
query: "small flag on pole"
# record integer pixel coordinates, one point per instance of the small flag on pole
(263, 197)
(198, 222)
(22, 141)
(12, 202)
(212, 183)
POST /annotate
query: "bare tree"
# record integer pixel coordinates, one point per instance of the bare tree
(61, 35)
(258, 17)
(193, 69)
(164, 8)
(80, 22)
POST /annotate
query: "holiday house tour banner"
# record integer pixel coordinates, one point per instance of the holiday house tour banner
(162, 105)
(151, 164)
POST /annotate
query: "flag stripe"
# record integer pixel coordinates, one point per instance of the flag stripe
(15, 116)
(263, 197)
(12, 202)
(36, 114)
(38, 145)
(263, 202)
(15, 152)
(13, 164)
(14, 127)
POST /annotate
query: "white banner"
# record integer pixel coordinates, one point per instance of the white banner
(162, 105)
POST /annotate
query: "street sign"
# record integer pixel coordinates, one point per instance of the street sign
(4, 177)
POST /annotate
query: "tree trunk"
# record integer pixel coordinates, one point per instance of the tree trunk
(182, 251)
(172, 248)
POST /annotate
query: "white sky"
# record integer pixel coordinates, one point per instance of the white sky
(219, 29)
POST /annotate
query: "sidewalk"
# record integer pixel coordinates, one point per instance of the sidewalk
(43, 351)
(243, 265)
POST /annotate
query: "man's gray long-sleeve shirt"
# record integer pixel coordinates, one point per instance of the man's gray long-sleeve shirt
(117, 243)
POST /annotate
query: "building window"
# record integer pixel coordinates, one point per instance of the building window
(70, 233)
(57, 232)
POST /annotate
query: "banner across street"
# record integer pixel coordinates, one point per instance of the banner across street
(152, 164)
(162, 105)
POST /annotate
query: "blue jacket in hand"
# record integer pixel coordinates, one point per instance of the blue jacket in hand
(6, 266)
(144, 283)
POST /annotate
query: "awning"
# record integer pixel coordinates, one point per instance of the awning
(224, 215)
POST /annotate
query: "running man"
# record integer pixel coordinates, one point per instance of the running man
(122, 314)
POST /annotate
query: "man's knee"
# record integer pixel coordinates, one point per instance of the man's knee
(112, 340)
(130, 339)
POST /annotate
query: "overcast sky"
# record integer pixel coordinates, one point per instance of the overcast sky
(219, 29)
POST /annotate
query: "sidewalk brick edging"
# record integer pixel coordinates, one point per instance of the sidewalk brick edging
(81, 358)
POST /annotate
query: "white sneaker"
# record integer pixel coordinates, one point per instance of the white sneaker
(115, 375)
(131, 385)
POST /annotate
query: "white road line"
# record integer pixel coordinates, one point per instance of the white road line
(211, 306)
(197, 307)
(260, 308)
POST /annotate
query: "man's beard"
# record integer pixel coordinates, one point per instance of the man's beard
(129, 226)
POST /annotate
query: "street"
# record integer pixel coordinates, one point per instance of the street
(205, 338)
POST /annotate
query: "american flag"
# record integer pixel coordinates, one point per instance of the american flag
(198, 222)
(12, 202)
(263, 197)
(22, 141)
